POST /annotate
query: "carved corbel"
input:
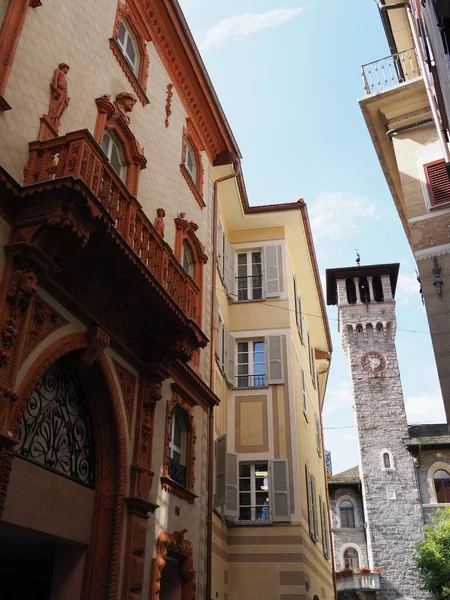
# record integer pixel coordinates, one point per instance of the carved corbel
(98, 341)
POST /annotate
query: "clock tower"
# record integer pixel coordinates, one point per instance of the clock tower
(393, 513)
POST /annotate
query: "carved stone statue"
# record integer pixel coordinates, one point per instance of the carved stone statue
(124, 104)
(158, 223)
(60, 99)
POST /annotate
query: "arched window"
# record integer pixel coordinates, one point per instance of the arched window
(387, 460)
(112, 147)
(187, 259)
(364, 291)
(191, 161)
(351, 291)
(351, 559)
(128, 44)
(56, 432)
(442, 486)
(347, 512)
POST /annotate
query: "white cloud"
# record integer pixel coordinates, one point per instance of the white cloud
(425, 408)
(336, 215)
(338, 398)
(407, 287)
(246, 24)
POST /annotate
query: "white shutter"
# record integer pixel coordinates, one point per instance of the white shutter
(275, 359)
(221, 471)
(305, 405)
(318, 436)
(220, 245)
(314, 506)
(229, 367)
(232, 482)
(302, 320)
(271, 271)
(229, 269)
(279, 483)
(296, 303)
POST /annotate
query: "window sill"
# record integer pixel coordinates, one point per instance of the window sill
(388, 470)
(436, 505)
(251, 387)
(251, 523)
(248, 301)
(136, 84)
(192, 186)
(4, 106)
(179, 490)
(439, 206)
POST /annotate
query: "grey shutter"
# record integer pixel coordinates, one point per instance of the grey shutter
(225, 350)
(314, 506)
(302, 320)
(217, 327)
(305, 406)
(279, 484)
(220, 248)
(318, 436)
(271, 271)
(229, 269)
(232, 483)
(275, 366)
(310, 502)
(325, 530)
(221, 471)
(229, 367)
(296, 301)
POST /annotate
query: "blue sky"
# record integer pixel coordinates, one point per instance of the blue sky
(288, 76)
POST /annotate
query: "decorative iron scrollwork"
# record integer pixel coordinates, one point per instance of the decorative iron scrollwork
(56, 432)
(177, 472)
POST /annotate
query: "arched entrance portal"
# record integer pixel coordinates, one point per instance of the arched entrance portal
(62, 521)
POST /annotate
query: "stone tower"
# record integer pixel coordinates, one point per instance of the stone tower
(393, 513)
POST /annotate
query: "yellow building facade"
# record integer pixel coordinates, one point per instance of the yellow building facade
(272, 352)
(403, 111)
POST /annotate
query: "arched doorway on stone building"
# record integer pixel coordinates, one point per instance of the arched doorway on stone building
(62, 522)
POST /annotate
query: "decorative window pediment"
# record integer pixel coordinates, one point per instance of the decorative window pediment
(129, 44)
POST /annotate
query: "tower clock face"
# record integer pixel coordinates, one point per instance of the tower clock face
(373, 362)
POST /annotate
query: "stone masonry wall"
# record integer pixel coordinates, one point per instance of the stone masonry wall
(391, 498)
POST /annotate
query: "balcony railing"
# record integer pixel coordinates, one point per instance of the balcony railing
(244, 381)
(77, 154)
(255, 514)
(177, 472)
(359, 581)
(390, 71)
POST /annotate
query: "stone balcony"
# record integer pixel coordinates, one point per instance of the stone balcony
(359, 582)
(388, 72)
(77, 155)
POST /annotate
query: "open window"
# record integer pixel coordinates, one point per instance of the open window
(259, 362)
(249, 277)
(129, 45)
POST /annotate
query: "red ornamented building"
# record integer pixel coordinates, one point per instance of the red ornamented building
(109, 132)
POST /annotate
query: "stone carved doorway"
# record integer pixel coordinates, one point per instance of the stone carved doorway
(72, 508)
(173, 571)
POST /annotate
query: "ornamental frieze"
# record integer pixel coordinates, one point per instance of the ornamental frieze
(431, 232)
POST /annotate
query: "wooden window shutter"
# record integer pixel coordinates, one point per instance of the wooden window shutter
(310, 501)
(271, 271)
(275, 359)
(280, 497)
(225, 350)
(318, 436)
(217, 328)
(221, 471)
(220, 247)
(438, 182)
(302, 320)
(314, 505)
(232, 485)
(325, 530)
(305, 405)
(296, 303)
(229, 269)
(229, 366)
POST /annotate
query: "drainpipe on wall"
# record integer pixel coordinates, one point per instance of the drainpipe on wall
(237, 170)
(420, 57)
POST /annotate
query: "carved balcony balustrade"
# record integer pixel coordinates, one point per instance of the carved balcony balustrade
(78, 155)
(359, 582)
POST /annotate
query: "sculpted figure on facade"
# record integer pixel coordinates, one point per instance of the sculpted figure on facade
(158, 223)
(124, 104)
(60, 99)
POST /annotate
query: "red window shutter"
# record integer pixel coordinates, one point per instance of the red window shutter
(438, 182)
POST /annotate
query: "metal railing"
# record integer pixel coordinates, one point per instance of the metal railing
(255, 514)
(243, 381)
(390, 71)
(249, 288)
(177, 472)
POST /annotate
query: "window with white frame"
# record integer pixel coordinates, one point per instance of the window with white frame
(304, 397)
(178, 447)
(128, 44)
(351, 559)
(249, 276)
(254, 492)
(112, 147)
(251, 363)
(190, 162)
